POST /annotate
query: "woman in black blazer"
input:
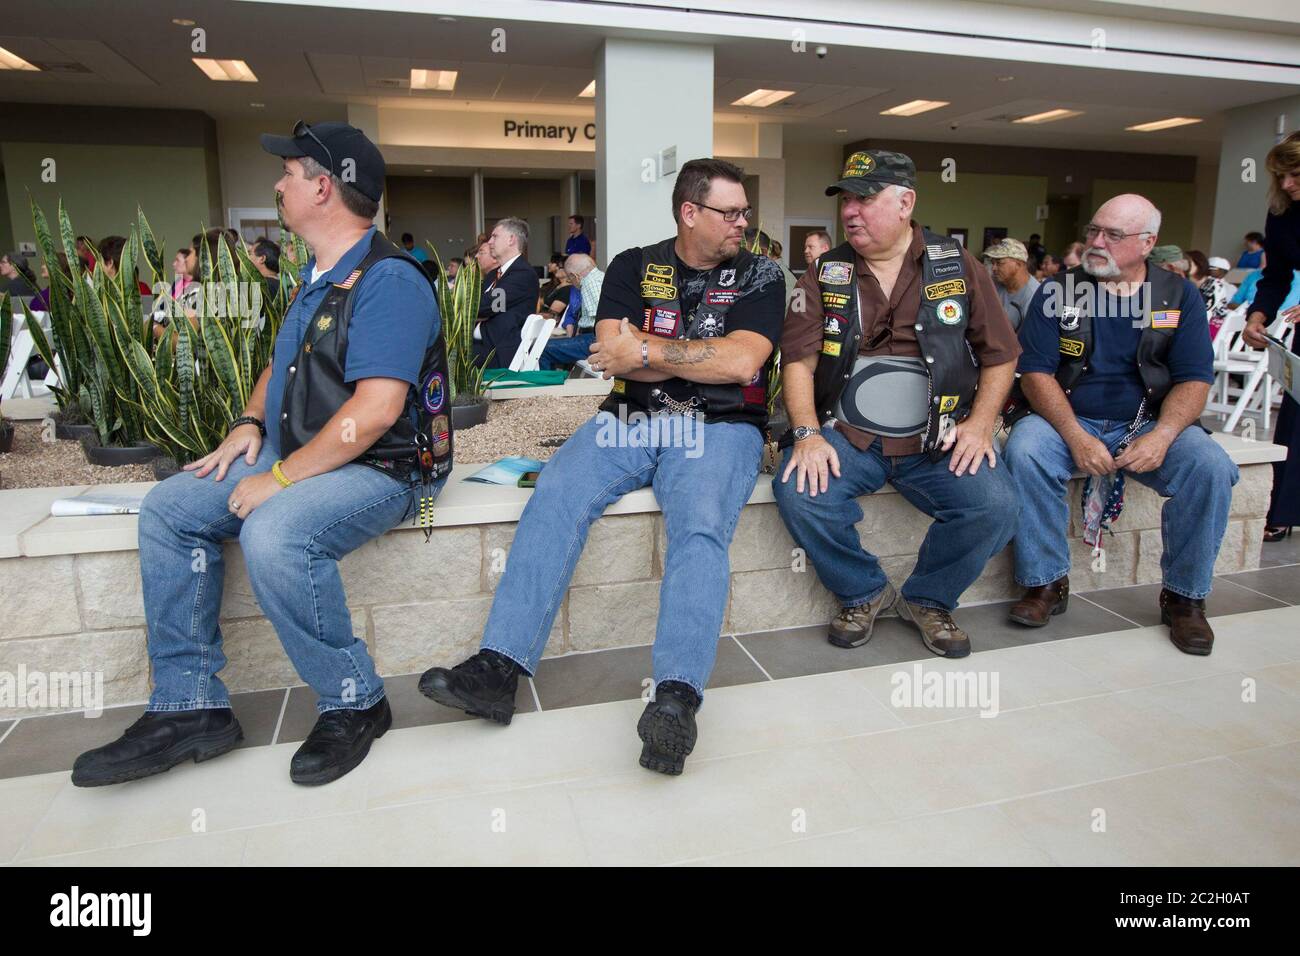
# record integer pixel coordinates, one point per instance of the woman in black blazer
(1282, 248)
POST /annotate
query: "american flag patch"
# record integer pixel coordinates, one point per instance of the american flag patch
(1167, 319)
(349, 281)
(939, 252)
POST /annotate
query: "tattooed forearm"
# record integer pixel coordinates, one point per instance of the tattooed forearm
(688, 353)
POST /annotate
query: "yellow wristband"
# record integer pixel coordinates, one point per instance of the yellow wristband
(280, 475)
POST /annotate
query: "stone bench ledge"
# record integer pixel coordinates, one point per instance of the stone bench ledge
(27, 530)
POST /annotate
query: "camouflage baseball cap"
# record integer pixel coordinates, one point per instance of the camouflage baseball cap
(1163, 254)
(1007, 249)
(868, 171)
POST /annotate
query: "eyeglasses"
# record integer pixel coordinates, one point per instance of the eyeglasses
(730, 215)
(302, 129)
(1112, 235)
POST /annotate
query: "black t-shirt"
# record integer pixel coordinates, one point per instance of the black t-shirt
(760, 308)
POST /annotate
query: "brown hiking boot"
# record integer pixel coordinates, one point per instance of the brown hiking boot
(939, 632)
(1040, 603)
(852, 626)
(1188, 628)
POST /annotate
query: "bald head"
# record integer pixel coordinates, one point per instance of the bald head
(578, 264)
(1135, 221)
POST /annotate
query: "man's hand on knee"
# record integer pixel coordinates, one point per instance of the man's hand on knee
(816, 460)
(245, 440)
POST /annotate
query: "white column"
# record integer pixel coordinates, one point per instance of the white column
(476, 200)
(650, 98)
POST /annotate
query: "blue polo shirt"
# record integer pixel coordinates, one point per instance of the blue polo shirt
(1112, 388)
(394, 322)
(579, 243)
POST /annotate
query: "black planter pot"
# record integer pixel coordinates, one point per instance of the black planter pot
(113, 455)
(69, 431)
(164, 468)
(6, 437)
(469, 414)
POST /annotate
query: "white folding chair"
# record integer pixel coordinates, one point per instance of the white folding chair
(22, 349)
(532, 340)
(1232, 356)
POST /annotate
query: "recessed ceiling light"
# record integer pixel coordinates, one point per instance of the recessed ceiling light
(589, 89)
(11, 61)
(841, 131)
(428, 170)
(225, 70)
(444, 80)
(1050, 116)
(762, 98)
(447, 19)
(524, 172)
(914, 107)
(1163, 124)
(1005, 79)
(182, 22)
(257, 106)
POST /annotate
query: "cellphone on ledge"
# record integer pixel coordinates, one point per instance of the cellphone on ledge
(528, 479)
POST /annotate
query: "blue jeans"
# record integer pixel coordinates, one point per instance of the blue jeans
(565, 351)
(974, 518)
(292, 544)
(700, 490)
(1197, 477)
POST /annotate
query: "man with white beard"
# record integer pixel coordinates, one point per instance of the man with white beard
(1116, 368)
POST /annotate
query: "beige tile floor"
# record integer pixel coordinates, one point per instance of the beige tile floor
(1109, 749)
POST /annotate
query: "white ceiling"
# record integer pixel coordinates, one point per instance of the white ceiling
(311, 61)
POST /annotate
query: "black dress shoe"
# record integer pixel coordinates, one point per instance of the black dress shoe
(482, 686)
(339, 741)
(667, 727)
(156, 742)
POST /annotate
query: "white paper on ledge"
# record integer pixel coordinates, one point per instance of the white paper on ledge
(92, 503)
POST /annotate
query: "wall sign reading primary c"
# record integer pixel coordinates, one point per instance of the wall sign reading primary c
(527, 130)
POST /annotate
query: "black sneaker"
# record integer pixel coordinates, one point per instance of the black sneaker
(483, 686)
(668, 727)
(156, 742)
(338, 743)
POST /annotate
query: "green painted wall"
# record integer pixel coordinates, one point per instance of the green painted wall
(1176, 202)
(101, 187)
(978, 200)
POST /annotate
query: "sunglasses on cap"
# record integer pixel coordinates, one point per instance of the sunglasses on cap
(301, 128)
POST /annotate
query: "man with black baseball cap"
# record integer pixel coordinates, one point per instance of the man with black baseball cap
(896, 360)
(346, 433)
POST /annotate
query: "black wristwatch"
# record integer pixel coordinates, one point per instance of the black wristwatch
(803, 431)
(249, 420)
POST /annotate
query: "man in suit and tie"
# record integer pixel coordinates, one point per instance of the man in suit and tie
(509, 296)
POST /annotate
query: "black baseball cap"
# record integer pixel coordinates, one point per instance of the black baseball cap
(868, 171)
(342, 149)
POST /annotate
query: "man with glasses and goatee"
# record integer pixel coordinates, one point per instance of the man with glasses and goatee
(686, 328)
(1116, 368)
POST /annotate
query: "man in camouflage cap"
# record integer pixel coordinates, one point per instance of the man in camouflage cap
(896, 359)
(1008, 260)
(1170, 258)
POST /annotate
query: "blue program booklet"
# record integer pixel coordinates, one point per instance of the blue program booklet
(506, 471)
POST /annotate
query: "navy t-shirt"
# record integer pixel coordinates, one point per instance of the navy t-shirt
(394, 322)
(1112, 388)
(578, 244)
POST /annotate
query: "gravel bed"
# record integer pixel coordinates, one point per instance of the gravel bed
(534, 427)
(34, 463)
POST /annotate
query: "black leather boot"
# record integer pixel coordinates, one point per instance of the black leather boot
(156, 742)
(338, 743)
(667, 727)
(482, 686)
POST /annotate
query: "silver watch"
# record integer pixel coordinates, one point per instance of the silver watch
(803, 431)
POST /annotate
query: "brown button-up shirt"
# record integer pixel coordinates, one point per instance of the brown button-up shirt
(890, 323)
